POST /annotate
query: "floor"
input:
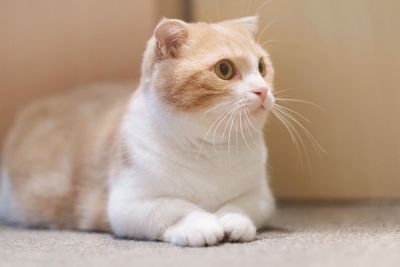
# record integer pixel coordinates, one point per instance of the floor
(303, 235)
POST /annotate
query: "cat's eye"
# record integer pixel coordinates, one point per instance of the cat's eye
(224, 69)
(261, 67)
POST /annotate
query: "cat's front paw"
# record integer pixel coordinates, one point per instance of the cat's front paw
(195, 230)
(238, 227)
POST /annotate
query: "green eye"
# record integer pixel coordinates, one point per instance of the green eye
(224, 69)
(262, 68)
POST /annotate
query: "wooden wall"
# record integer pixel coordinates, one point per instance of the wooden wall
(48, 46)
(343, 55)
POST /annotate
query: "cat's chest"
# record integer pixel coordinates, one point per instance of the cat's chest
(212, 187)
(208, 183)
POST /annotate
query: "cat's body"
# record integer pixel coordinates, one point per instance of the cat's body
(157, 164)
(57, 156)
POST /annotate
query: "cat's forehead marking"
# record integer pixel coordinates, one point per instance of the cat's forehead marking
(214, 42)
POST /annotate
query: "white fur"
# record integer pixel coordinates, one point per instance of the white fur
(4, 193)
(239, 227)
(184, 188)
(8, 210)
(196, 229)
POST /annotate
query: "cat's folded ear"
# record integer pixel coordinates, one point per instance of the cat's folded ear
(170, 35)
(250, 23)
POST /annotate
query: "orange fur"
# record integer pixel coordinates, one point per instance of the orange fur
(57, 155)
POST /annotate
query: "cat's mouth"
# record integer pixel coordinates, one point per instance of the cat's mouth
(259, 109)
(262, 107)
(253, 108)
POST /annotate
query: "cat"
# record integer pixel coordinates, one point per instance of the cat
(181, 159)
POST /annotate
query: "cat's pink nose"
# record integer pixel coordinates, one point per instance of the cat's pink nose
(261, 92)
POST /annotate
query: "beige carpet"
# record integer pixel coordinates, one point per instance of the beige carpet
(305, 235)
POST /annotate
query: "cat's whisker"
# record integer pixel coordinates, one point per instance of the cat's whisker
(216, 124)
(249, 6)
(238, 126)
(215, 107)
(312, 139)
(293, 111)
(306, 131)
(217, 10)
(236, 134)
(210, 128)
(241, 130)
(279, 92)
(217, 120)
(264, 44)
(259, 9)
(266, 27)
(243, 135)
(226, 127)
(300, 101)
(270, 41)
(278, 116)
(229, 124)
(233, 109)
(254, 127)
(287, 113)
(302, 142)
(247, 126)
(229, 138)
(303, 145)
(296, 137)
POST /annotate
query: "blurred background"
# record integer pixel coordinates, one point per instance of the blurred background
(342, 55)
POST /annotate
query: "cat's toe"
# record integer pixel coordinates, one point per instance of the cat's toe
(196, 230)
(238, 227)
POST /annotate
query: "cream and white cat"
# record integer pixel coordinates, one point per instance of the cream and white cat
(181, 159)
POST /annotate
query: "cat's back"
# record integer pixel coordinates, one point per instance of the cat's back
(51, 150)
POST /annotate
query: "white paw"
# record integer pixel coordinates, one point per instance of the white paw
(195, 230)
(238, 227)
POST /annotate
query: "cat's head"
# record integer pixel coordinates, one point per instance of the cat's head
(210, 69)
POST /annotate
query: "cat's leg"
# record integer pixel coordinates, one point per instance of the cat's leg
(241, 217)
(167, 219)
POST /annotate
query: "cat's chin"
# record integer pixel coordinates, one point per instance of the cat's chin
(259, 110)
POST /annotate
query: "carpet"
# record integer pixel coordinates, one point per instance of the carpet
(301, 235)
